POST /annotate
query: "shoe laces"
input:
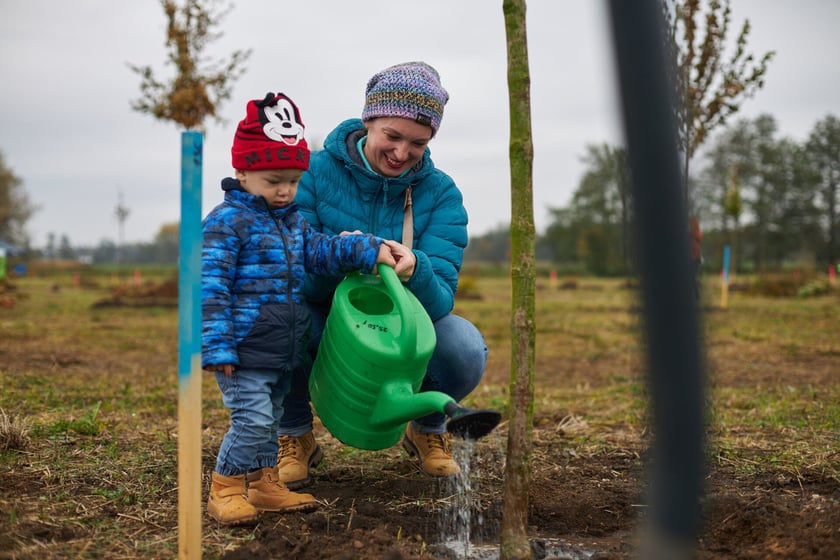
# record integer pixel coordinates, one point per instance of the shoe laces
(288, 445)
(437, 441)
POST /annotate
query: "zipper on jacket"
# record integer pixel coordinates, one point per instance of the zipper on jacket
(385, 188)
(289, 300)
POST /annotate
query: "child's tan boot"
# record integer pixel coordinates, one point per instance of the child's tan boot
(267, 493)
(228, 501)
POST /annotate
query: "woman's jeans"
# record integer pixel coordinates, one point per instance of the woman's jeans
(455, 368)
(255, 399)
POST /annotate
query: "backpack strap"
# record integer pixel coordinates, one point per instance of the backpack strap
(408, 220)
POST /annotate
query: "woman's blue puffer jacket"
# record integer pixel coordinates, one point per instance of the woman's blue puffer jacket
(339, 193)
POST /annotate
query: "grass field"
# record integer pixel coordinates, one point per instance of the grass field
(88, 430)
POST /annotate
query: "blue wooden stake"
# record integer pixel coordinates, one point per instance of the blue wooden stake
(189, 348)
(726, 264)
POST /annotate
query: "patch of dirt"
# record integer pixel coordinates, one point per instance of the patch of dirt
(396, 512)
(592, 503)
(150, 294)
(9, 294)
(764, 518)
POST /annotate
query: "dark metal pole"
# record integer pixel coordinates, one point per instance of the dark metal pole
(670, 309)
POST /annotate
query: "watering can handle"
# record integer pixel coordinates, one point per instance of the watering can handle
(408, 330)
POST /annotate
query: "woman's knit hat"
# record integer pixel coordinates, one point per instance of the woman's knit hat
(411, 90)
(270, 136)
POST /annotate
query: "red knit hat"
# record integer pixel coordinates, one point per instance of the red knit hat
(270, 136)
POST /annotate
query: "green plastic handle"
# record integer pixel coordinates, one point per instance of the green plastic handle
(408, 326)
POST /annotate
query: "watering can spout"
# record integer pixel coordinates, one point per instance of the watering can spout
(468, 423)
(397, 404)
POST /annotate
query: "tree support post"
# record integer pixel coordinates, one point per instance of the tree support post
(189, 349)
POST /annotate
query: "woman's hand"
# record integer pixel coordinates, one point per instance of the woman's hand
(405, 259)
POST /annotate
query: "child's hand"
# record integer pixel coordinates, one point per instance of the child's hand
(405, 259)
(219, 368)
(385, 256)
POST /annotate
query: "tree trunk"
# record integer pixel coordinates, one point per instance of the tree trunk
(736, 250)
(623, 186)
(514, 536)
(686, 193)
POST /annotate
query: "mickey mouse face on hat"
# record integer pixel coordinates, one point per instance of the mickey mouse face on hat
(281, 120)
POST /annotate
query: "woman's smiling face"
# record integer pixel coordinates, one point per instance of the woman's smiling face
(395, 144)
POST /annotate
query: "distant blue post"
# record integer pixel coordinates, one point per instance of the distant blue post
(726, 264)
(724, 279)
(189, 348)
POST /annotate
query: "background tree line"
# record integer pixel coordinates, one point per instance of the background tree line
(771, 199)
(163, 249)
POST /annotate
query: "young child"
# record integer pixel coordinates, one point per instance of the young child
(257, 248)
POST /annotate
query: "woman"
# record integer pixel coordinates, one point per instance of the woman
(375, 175)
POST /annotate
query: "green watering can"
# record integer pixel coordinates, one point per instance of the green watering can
(376, 345)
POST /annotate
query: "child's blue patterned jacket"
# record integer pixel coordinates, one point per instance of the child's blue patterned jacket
(253, 264)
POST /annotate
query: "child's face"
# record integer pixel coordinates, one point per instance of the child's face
(277, 186)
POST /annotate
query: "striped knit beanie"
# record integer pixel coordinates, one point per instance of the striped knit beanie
(411, 90)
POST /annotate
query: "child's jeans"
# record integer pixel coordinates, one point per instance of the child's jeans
(255, 399)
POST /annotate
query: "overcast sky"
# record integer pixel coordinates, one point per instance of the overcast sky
(66, 127)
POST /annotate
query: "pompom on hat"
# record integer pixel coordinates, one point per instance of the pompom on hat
(270, 136)
(410, 90)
